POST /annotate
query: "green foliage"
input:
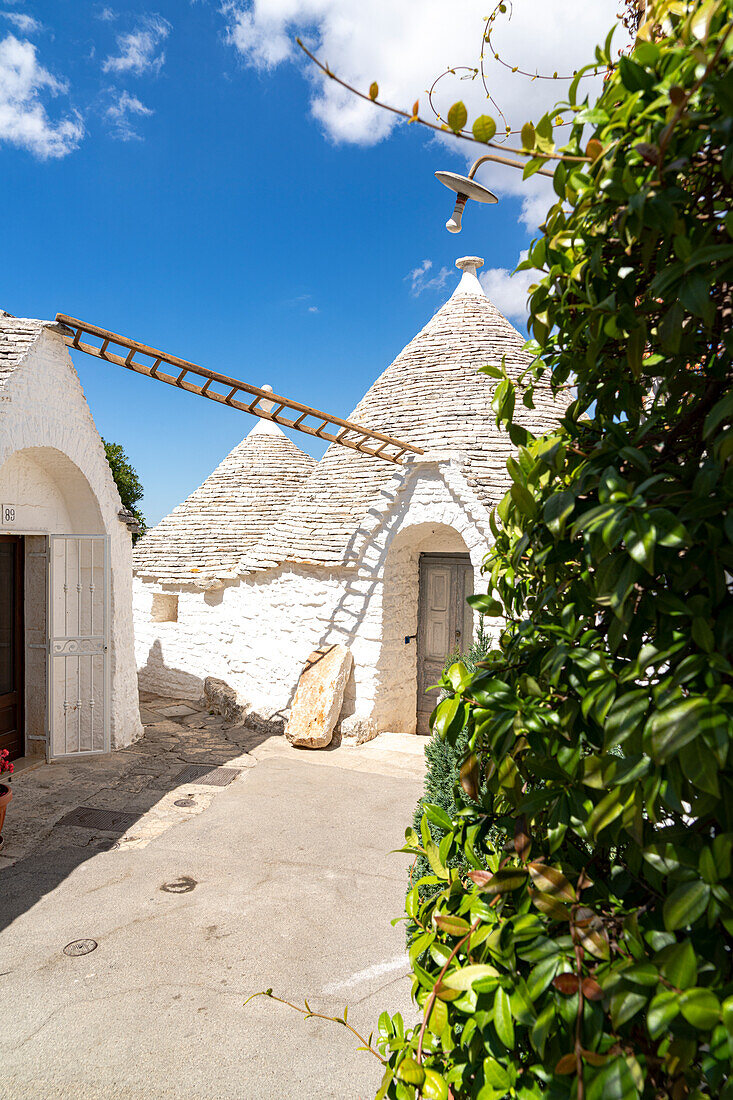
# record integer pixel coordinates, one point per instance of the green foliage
(442, 788)
(127, 482)
(587, 954)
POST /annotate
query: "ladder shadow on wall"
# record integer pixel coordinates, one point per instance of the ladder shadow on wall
(370, 552)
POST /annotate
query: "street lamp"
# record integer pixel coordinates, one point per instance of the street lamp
(466, 188)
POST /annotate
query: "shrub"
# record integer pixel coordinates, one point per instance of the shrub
(128, 483)
(587, 954)
(442, 789)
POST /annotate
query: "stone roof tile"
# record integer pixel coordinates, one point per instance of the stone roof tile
(204, 537)
(17, 335)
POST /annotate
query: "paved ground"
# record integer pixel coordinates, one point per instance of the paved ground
(282, 878)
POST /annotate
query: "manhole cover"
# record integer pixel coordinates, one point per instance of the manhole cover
(184, 802)
(183, 885)
(103, 821)
(206, 774)
(80, 947)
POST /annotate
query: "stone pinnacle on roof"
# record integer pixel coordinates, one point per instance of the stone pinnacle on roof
(266, 427)
(432, 395)
(469, 283)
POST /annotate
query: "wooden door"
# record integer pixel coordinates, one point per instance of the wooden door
(445, 623)
(11, 645)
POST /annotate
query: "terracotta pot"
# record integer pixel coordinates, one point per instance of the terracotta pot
(5, 795)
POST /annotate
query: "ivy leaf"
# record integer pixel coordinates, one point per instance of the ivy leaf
(557, 510)
(551, 881)
(685, 905)
(549, 905)
(528, 136)
(410, 1072)
(566, 984)
(448, 719)
(485, 604)
(672, 727)
(457, 117)
(438, 1017)
(592, 990)
(606, 811)
(700, 766)
(496, 1075)
(465, 977)
(678, 964)
(594, 149)
(506, 880)
(470, 775)
(662, 1010)
(700, 22)
(721, 413)
(614, 1081)
(434, 1086)
(633, 76)
(484, 128)
(503, 1021)
(701, 1008)
(432, 851)
(454, 926)
(438, 816)
(566, 1064)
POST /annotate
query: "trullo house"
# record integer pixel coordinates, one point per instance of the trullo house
(68, 680)
(275, 556)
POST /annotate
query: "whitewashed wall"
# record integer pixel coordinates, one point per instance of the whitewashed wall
(256, 633)
(54, 470)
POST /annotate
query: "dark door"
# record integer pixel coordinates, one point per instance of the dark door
(11, 645)
(445, 623)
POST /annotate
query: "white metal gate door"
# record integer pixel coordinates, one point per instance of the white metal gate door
(78, 667)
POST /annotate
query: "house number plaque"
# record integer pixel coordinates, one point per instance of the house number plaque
(7, 512)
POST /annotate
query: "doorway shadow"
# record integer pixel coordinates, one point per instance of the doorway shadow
(124, 785)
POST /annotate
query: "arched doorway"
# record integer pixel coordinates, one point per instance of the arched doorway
(428, 572)
(56, 624)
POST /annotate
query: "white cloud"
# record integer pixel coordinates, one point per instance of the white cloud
(509, 291)
(120, 112)
(405, 45)
(303, 302)
(23, 118)
(24, 24)
(138, 48)
(419, 281)
(107, 15)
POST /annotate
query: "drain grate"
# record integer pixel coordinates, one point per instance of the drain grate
(80, 947)
(104, 821)
(206, 774)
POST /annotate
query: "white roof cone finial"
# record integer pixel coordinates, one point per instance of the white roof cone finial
(266, 427)
(469, 283)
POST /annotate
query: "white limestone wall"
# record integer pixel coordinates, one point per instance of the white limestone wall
(256, 633)
(54, 470)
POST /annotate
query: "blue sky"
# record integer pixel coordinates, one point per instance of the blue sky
(167, 178)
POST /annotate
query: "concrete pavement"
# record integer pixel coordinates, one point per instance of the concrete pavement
(283, 881)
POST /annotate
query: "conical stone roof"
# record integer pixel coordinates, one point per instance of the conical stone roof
(204, 537)
(432, 396)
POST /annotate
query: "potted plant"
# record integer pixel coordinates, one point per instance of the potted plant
(6, 768)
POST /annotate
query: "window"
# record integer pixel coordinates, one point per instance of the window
(165, 608)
